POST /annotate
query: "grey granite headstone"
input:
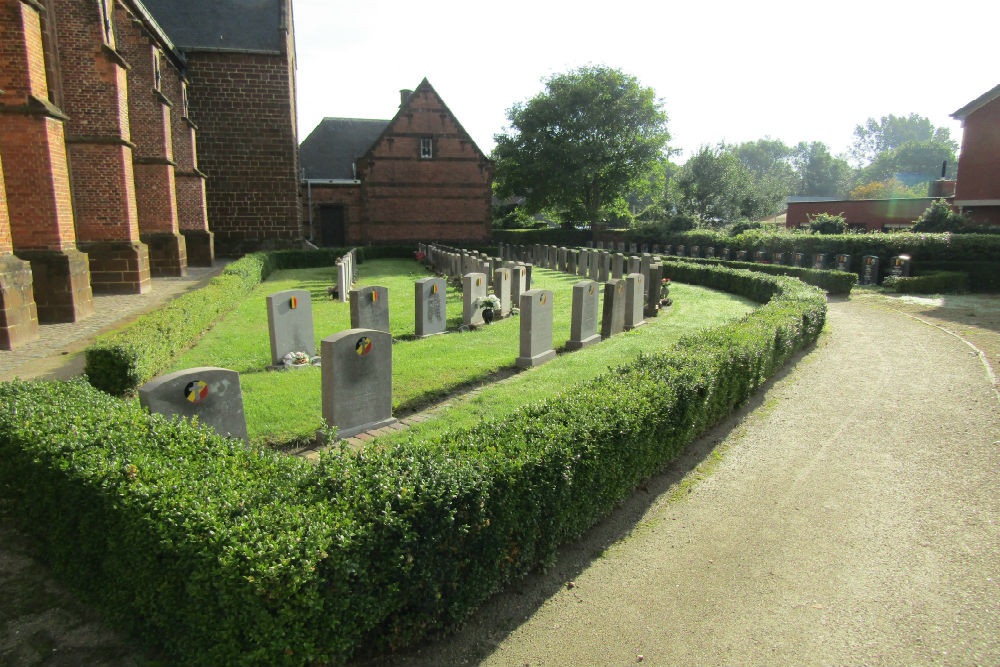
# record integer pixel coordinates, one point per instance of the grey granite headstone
(210, 394)
(869, 270)
(617, 265)
(613, 315)
(595, 265)
(583, 322)
(473, 289)
(634, 265)
(527, 278)
(572, 256)
(290, 323)
(501, 287)
(370, 308)
(653, 289)
(603, 266)
(536, 328)
(429, 297)
(343, 280)
(583, 265)
(843, 262)
(645, 261)
(518, 283)
(357, 380)
(634, 301)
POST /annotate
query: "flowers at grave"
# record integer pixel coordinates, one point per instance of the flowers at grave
(488, 302)
(295, 359)
(665, 299)
(420, 255)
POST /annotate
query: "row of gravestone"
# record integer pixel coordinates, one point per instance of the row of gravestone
(599, 263)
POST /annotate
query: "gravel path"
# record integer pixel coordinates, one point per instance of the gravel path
(850, 514)
(852, 517)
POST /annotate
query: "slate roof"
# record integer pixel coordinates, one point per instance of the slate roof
(232, 25)
(977, 103)
(330, 150)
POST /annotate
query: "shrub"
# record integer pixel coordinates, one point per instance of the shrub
(938, 282)
(834, 282)
(827, 223)
(225, 555)
(939, 217)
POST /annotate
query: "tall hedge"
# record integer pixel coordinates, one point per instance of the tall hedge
(221, 554)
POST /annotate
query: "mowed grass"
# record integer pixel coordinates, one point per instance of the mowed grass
(285, 407)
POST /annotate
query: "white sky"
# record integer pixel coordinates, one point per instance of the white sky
(795, 70)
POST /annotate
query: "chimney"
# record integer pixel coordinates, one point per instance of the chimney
(404, 95)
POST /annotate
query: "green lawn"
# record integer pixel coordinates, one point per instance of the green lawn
(284, 407)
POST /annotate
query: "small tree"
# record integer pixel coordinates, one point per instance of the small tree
(827, 223)
(939, 217)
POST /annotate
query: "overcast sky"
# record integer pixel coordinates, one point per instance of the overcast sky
(726, 71)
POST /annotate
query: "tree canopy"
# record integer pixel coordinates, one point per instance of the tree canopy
(592, 137)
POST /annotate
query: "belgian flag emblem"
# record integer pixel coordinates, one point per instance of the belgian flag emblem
(363, 346)
(195, 391)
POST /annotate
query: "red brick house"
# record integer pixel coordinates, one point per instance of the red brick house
(977, 193)
(416, 177)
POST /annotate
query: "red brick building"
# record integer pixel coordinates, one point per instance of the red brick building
(125, 127)
(417, 177)
(977, 194)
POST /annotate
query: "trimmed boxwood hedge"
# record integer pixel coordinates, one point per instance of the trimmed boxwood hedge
(933, 283)
(220, 554)
(834, 282)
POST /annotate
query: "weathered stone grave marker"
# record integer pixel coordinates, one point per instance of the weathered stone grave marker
(357, 380)
(473, 289)
(634, 301)
(583, 321)
(429, 298)
(501, 288)
(370, 308)
(613, 315)
(653, 289)
(536, 328)
(617, 265)
(290, 324)
(210, 394)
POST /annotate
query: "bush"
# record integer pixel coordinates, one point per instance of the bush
(938, 282)
(225, 555)
(834, 282)
(827, 223)
(939, 217)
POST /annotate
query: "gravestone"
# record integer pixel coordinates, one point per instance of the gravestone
(653, 290)
(595, 265)
(517, 283)
(562, 258)
(210, 394)
(668, 250)
(501, 287)
(583, 322)
(843, 262)
(370, 308)
(741, 255)
(527, 278)
(680, 250)
(869, 270)
(343, 280)
(634, 301)
(799, 259)
(473, 289)
(604, 266)
(357, 381)
(725, 254)
(656, 248)
(571, 258)
(290, 323)
(613, 315)
(617, 265)
(644, 263)
(778, 258)
(621, 247)
(429, 296)
(710, 252)
(583, 266)
(696, 251)
(819, 261)
(633, 248)
(644, 248)
(634, 265)
(900, 266)
(536, 328)
(761, 257)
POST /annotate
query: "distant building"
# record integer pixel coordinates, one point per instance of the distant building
(416, 177)
(975, 192)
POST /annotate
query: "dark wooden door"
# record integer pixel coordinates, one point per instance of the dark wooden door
(331, 226)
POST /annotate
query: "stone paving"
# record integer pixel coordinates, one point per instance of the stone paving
(57, 353)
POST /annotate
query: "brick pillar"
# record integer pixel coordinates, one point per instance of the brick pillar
(149, 113)
(35, 174)
(191, 211)
(18, 315)
(95, 97)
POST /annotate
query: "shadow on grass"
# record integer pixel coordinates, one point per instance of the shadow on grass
(502, 614)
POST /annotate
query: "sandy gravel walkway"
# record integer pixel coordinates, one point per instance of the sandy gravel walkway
(852, 517)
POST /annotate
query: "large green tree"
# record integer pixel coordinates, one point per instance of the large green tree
(589, 139)
(908, 148)
(820, 174)
(717, 188)
(874, 137)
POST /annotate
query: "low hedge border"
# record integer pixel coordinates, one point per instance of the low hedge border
(938, 282)
(220, 554)
(834, 282)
